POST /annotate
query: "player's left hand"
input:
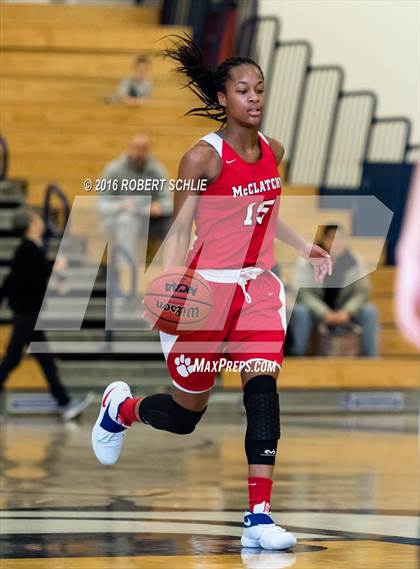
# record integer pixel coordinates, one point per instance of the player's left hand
(319, 259)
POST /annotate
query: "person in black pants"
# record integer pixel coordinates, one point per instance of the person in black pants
(25, 288)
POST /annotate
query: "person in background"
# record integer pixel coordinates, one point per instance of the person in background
(407, 290)
(136, 88)
(25, 287)
(336, 303)
(123, 218)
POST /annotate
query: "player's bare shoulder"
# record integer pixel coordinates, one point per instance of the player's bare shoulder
(277, 147)
(201, 161)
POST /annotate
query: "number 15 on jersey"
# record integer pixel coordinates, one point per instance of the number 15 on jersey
(260, 212)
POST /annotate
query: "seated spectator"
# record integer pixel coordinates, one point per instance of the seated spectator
(343, 298)
(124, 217)
(133, 90)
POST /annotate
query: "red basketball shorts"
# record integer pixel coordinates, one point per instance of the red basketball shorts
(247, 323)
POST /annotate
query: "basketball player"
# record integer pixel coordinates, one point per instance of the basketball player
(236, 220)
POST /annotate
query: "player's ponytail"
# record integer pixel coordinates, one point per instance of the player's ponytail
(203, 81)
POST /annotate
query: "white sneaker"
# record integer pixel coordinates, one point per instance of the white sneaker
(108, 432)
(261, 531)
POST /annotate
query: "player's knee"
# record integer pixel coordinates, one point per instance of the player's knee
(263, 419)
(261, 402)
(162, 412)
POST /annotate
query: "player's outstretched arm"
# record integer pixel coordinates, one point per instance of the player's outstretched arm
(314, 254)
(284, 232)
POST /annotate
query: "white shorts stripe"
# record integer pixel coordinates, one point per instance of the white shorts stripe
(190, 391)
(282, 296)
(167, 342)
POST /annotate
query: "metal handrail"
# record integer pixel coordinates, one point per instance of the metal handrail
(5, 160)
(114, 289)
(121, 250)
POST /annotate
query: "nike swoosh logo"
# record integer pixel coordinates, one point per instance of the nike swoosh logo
(230, 161)
(108, 424)
(247, 522)
(106, 397)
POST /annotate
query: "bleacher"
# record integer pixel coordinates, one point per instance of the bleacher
(55, 78)
(58, 63)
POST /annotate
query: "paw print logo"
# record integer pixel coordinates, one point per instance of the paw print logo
(183, 365)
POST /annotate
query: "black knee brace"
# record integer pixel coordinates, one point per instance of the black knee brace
(162, 412)
(263, 417)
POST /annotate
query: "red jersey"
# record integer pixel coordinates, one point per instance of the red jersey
(236, 217)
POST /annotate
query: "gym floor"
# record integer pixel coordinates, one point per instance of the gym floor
(347, 486)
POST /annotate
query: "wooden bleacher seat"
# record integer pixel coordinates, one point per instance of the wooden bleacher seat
(77, 90)
(79, 15)
(36, 66)
(27, 375)
(342, 373)
(135, 39)
(393, 344)
(69, 114)
(103, 143)
(58, 65)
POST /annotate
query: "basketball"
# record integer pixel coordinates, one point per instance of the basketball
(178, 301)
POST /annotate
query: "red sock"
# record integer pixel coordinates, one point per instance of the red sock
(126, 410)
(259, 491)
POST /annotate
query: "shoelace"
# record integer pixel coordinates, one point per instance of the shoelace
(243, 279)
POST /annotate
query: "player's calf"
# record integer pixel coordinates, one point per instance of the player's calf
(162, 412)
(261, 403)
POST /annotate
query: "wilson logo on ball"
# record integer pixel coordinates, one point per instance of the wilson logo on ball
(190, 312)
(178, 301)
